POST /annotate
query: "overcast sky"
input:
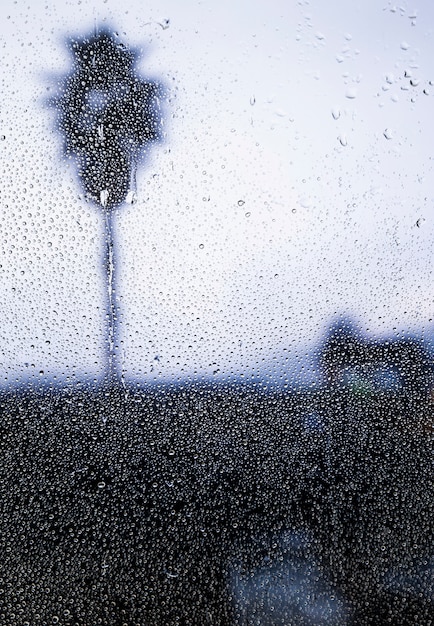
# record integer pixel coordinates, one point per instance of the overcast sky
(295, 183)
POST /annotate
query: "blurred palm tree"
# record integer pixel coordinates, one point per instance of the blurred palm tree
(108, 115)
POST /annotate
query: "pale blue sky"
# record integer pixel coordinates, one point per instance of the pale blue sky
(295, 183)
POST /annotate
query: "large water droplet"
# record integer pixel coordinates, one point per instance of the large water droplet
(131, 197)
(103, 197)
(304, 202)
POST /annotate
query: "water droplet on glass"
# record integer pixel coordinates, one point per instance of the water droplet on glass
(241, 203)
(404, 45)
(164, 23)
(131, 197)
(252, 100)
(101, 485)
(103, 197)
(351, 93)
(336, 113)
(248, 214)
(343, 140)
(388, 133)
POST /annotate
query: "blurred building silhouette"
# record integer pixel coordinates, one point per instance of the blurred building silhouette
(353, 363)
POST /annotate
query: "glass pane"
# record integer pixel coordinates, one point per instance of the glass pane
(216, 359)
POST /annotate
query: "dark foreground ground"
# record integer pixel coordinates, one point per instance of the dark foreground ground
(214, 506)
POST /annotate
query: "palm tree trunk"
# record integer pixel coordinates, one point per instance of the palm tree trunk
(109, 271)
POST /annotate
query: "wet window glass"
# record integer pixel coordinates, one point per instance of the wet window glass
(216, 340)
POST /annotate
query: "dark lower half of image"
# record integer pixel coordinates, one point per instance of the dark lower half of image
(215, 505)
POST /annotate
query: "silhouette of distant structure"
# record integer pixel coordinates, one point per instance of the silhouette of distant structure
(366, 367)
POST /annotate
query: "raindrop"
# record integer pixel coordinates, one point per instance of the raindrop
(343, 140)
(248, 214)
(388, 133)
(351, 93)
(336, 113)
(241, 203)
(404, 45)
(131, 197)
(165, 23)
(104, 196)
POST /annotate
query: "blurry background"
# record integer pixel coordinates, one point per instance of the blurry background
(294, 184)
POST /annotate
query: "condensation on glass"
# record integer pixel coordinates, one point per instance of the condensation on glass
(216, 348)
